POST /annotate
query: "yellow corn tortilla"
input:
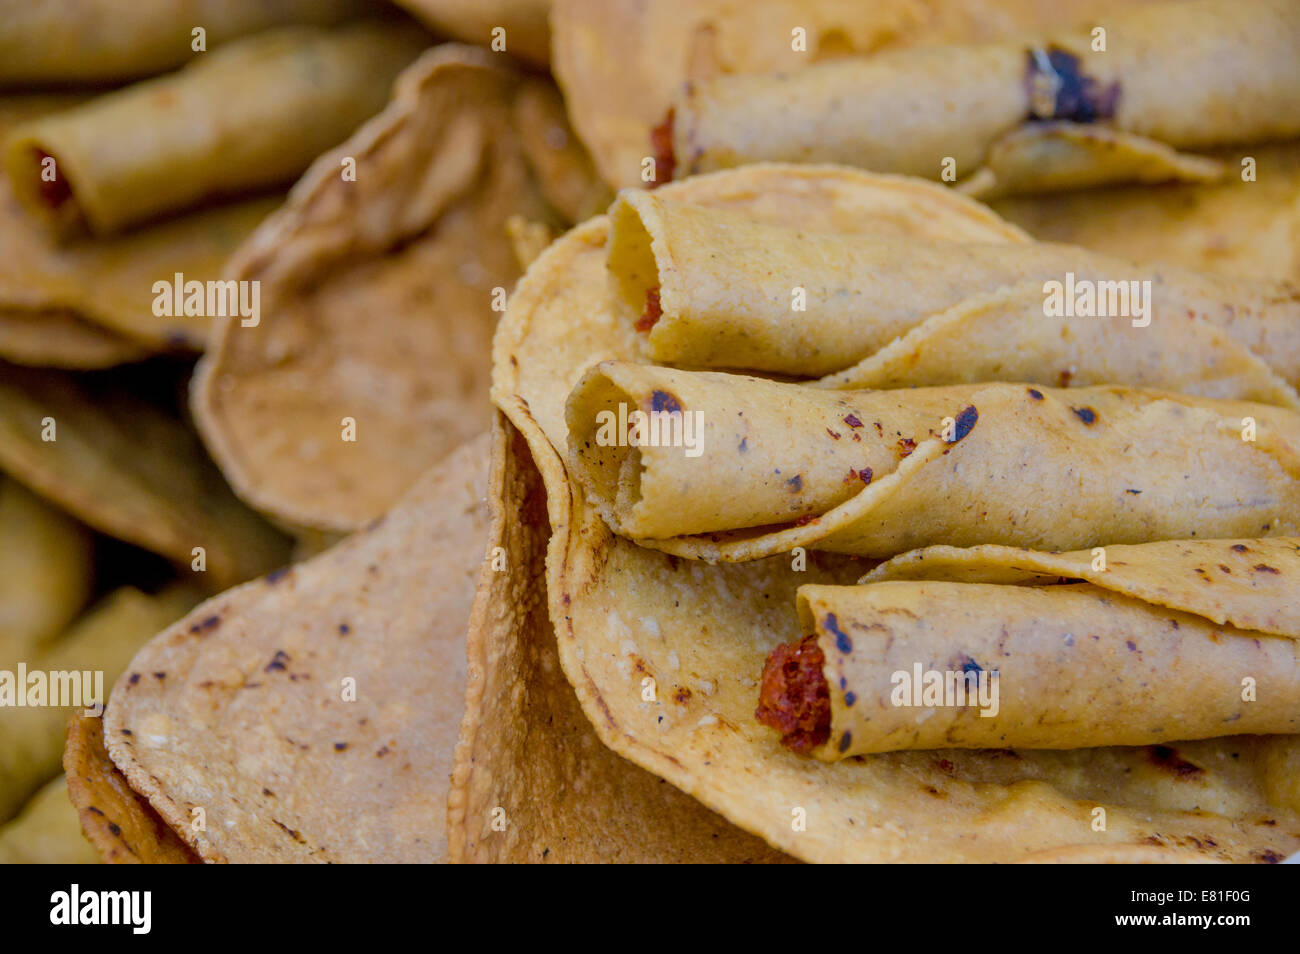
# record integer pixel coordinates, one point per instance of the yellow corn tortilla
(58, 338)
(773, 466)
(707, 629)
(131, 470)
(1190, 75)
(250, 724)
(115, 820)
(377, 303)
(31, 743)
(563, 168)
(532, 782)
(1054, 667)
(524, 22)
(46, 569)
(1249, 228)
(727, 290)
(46, 832)
(92, 41)
(213, 127)
(621, 62)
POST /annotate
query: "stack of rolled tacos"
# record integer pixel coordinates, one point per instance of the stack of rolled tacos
(819, 457)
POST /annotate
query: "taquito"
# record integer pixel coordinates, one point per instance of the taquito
(925, 654)
(1110, 101)
(209, 129)
(730, 467)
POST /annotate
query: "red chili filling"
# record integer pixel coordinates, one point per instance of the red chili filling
(794, 698)
(56, 191)
(661, 144)
(653, 312)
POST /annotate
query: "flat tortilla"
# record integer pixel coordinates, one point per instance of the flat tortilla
(702, 632)
(378, 303)
(312, 715)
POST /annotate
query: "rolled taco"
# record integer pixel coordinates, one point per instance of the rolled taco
(711, 289)
(1177, 76)
(213, 130)
(92, 41)
(928, 656)
(730, 467)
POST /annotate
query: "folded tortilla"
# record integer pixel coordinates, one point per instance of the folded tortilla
(312, 715)
(92, 41)
(939, 659)
(104, 640)
(213, 129)
(756, 467)
(624, 614)
(526, 35)
(379, 298)
(716, 290)
(621, 62)
(1190, 75)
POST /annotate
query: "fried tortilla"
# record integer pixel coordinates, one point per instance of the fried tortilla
(104, 640)
(525, 35)
(131, 470)
(378, 297)
(1180, 76)
(213, 129)
(621, 62)
(624, 614)
(898, 313)
(311, 715)
(1247, 225)
(116, 820)
(942, 660)
(730, 467)
(46, 570)
(46, 832)
(94, 41)
(532, 781)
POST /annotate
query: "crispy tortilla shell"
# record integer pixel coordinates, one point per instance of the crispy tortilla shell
(252, 721)
(46, 832)
(702, 632)
(527, 35)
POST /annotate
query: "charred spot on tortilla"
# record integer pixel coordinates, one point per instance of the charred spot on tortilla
(661, 402)
(905, 447)
(795, 484)
(842, 641)
(1240, 548)
(1036, 394)
(661, 147)
(1085, 414)
(794, 698)
(653, 311)
(965, 422)
(1059, 89)
(277, 663)
(1265, 568)
(1167, 757)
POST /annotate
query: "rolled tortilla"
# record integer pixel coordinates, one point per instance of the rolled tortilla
(1182, 75)
(90, 41)
(761, 466)
(249, 115)
(708, 288)
(924, 665)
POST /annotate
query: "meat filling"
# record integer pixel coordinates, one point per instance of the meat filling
(661, 145)
(794, 698)
(652, 312)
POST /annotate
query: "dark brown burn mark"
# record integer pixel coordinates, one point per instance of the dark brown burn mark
(681, 695)
(850, 698)
(743, 446)
(1036, 394)
(160, 676)
(661, 402)
(1132, 646)
(382, 751)
(795, 484)
(835, 435)
(340, 746)
(661, 146)
(831, 623)
(1265, 568)
(92, 808)
(275, 576)
(344, 629)
(905, 447)
(277, 662)
(1085, 414)
(1240, 548)
(965, 423)
(1132, 491)
(673, 561)
(134, 678)
(793, 696)
(115, 828)
(53, 192)
(1268, 857)
(206, 625)
(946, 767)
(1059, 89)
(864, 475)
(652, 313)
(845, 741)
(1225, 569)
(1167, 758)
(853, 421)
(290, 832)
(267, 792)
